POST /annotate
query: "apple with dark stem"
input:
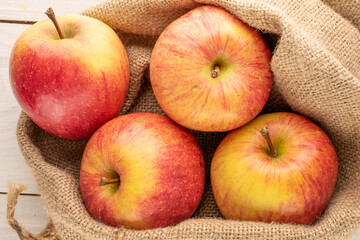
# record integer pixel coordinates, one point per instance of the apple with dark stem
(142, 171)
(210, 71)
(69, 74)
(280, 167)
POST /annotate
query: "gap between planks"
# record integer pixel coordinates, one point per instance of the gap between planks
(17, 21)
(24, 194)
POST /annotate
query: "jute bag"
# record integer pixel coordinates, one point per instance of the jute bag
(316, 65)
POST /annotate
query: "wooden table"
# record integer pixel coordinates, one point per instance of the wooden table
(15, 17)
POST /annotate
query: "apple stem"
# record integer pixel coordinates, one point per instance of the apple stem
(215, 72)
(265, 133)
(50, 13)
(104, 181)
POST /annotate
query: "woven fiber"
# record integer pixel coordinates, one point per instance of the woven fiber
(316, 65)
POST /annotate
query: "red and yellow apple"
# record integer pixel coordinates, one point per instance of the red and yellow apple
(70, 86)
(210, 71)
(280, 167)
(142, 171)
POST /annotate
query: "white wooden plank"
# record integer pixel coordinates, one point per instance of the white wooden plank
(13, 166)
(29, 212)
(34, 10)
(356, 236)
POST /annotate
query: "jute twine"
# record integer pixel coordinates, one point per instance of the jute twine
(47, 234)
(316, 65)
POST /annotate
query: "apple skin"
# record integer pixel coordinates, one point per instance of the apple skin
(183, 59)
(70, 87)
(161, 169)
(293, 187)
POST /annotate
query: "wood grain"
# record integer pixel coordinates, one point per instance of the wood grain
(26, 10)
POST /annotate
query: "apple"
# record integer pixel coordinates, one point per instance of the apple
(210, 71)
(280, 167)
(72, 80)
(142, 171)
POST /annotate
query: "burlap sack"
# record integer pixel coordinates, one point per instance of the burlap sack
(316, 63)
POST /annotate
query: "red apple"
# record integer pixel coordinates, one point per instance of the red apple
(210, 71)
(142, 171)
(280, 167)
(70, 86)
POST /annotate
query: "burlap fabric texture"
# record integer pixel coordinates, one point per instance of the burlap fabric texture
(316, 64)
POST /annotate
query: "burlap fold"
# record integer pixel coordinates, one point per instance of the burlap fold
(316, 63)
